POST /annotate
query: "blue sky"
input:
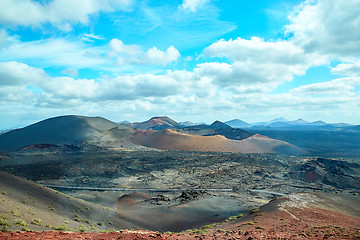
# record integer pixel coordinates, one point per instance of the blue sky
(198, 60)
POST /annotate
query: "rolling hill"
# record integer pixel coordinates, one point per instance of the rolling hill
(158, 123)
(28, 205)
(173, 140)
(237, 123)
(57, 130)
(163, 133)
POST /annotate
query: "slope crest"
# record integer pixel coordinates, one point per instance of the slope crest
(57, 130)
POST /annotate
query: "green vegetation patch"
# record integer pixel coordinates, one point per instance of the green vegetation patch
(233, 218)
(62, 228)
(4, 225)
(77, 218)
(36, 221)
(254, 210)
(82, 228)
(20, 222)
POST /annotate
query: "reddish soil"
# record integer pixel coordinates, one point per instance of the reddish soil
(296, 216)
(291, 224)
(70, 235)
(172, 140)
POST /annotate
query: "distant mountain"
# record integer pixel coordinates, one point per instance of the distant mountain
(274, 122)
(80, 131)
(318, 123)
(158, 123)
(5, 131)
(341, 125)
(220, 125)
(355, 128)
(124, 122)
(280, 119)
(58, 130)
(298, 122)
(187, 124)
(237, 123)
(216, 128)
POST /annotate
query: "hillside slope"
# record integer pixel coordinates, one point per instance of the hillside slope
(158, 123)
(57, 130)
(26, 204)
(173, 140)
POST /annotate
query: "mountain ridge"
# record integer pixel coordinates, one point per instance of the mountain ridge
(161, 133)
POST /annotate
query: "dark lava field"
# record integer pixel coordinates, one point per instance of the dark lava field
(238, 181)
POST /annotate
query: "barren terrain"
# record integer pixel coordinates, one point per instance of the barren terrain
(104, 179)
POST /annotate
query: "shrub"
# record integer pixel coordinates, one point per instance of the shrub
(20, 222)
(206, 227)
(100, 223)
(25, 229)
(36, 221)
(77, 218)
(93, 227)
(199, 231)
(61, 228)
(233, 218)
(15, 213)
(4, 225)
(254, 210)
(82, 228)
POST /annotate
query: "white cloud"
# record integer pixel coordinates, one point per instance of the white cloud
(175, 92)
(340, 86)
(256, 61)
(156, 56)
(72, 72)
(54, 52)
(16, 95)
(119, 47)
(70, 88)
(3, 37)
(192, 5)
(88, 90)
(330, 27)
(256, 49)
(59, 13)
(347, 69)
(132, 54)
(17, 74)
(90, 37)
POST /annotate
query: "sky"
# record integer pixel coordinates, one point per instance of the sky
(197, 60)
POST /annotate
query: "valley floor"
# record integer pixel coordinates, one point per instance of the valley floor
(166, 191)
